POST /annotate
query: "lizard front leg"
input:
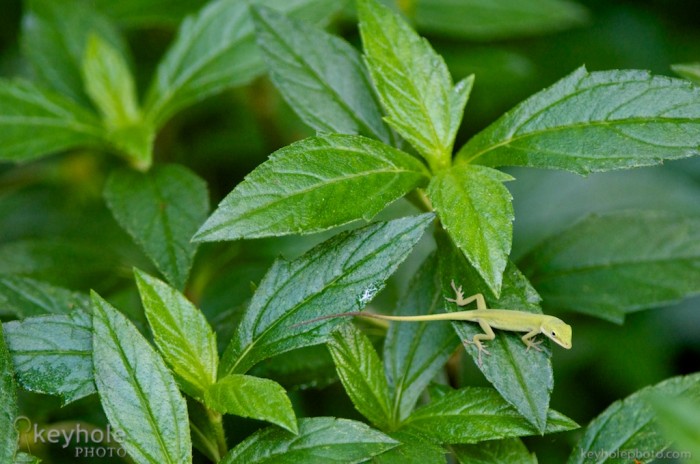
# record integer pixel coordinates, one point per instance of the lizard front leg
(459, 299)
(527, 340)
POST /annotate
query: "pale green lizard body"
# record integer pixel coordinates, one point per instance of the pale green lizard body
(488, 319)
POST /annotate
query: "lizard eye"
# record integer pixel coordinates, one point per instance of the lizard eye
(553, 334)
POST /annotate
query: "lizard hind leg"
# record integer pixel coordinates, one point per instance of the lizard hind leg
(478, 338)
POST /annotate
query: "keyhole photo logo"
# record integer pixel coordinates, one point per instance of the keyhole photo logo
(79, 439)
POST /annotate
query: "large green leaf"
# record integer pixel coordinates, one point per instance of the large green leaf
(161, 210)
(53, 354)
(320, 440)
(254, 397)
(54, 37)
(8, 404)
(595, 122)
(313, 185)
(474, 414)
(362, 374)
(612, 264)
(495, 19)
(475, 208)
(137, 391)
(510, 450)
(413, 449)
(415, 352)
(26, 297)
(182, 334)
(630, 425)
(35, 122)
(214, 50)
(523, 377)
(413, 83)
(320, 75)
(340, 275)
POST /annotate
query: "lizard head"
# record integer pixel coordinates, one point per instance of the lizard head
(558, 331)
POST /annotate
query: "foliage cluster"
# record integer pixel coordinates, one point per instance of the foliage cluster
(377, 194)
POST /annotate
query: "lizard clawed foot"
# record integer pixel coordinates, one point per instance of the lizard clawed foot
(459, 294)
(533, 345)
(479, 346)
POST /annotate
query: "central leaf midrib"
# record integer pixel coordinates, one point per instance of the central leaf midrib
(282, 198)
(145, 405)
(167, 322)
(585, 124)
(166, 228)
(405, 72)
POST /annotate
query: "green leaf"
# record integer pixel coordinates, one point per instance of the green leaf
(680, 421)
(415, 352)
(320, 440)
(53, 354)
(630, 424)
(474, 414)
(215, 49)
(36, 122)
(321, 76)
(254, 397)
(612, 264)
(690, 71)
(595, 122)
(8, 404)
(362, 375)
(313, 185)
(161, 210)
(523, 377)
(137, 391)
(412, 450)
(26, 297)
(340, 275)
(54, 37)
(181, 333)
(496, 19)
(413, 83)
(110, 85)
(475, 209)
(511, 450)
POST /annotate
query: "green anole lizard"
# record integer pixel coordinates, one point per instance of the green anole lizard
(488, 319)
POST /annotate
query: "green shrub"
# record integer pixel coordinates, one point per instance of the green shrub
(120, 120)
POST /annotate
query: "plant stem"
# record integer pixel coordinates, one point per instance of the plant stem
(420, 200)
